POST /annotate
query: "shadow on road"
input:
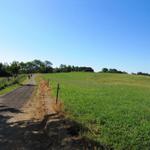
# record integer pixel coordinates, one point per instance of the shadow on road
(27, 84)
(29, 135)
(22, 135)
(12, 110)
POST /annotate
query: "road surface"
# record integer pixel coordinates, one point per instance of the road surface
(17, 98)
(21, 135)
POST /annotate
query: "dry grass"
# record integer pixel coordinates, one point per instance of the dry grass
(58, 108)
(48, 104)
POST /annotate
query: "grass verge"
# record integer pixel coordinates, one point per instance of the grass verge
(14, 86)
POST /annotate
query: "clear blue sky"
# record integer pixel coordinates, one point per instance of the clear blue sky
(96, 33)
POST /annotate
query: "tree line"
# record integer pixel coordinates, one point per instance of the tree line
(15, 68)
(37, 66)
(106, 70)
(69, 68)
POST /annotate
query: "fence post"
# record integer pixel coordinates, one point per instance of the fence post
(48, 82)
(58, 88)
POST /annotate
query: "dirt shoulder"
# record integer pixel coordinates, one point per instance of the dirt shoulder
(63, 133)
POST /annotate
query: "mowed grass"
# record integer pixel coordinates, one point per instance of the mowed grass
(115, 107)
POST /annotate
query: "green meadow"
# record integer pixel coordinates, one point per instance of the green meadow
(114, 107)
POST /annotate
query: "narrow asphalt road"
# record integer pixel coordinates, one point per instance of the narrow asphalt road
(20, 135)
(17, 98)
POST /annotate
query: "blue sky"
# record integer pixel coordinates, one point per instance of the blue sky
(96, 33)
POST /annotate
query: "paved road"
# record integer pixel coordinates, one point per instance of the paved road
(17, 98)
(21, 135)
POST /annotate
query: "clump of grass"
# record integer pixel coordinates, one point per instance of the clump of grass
(11, 83)
(114, 107)
(57, 107)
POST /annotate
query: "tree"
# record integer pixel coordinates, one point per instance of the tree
(14, 68)
(105, 70)
(48, 66)
(143, 73)
(4, 70)
(30, 67)
(48, 63)
(63, 68)
(113, 70)
(23, 67)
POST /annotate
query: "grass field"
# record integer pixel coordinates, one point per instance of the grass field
(115, 107)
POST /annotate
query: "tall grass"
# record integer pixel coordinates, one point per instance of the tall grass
(5, 82)
(116, 108)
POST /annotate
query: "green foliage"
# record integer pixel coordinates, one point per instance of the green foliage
(5, 82)
(16, 68)
(106, 70)
(4, 70)
(65, 68)
(115, 107)
(37, 66)
(142, 73)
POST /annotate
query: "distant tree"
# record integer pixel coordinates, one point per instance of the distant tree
(113, 70)
(38, 66)
(48, 63)
(4, 70)
(86, 69)
(48, 67)
(105, 70)
(35, 66)
(69, 68)
(23, 67)
(133, 73)
(73, 68)
(1, 69)
(56, 70)
(142, 73)
(77, 69)
(14, 68)
(30, 67)
(63, 68)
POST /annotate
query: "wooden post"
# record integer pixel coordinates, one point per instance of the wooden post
(48, 82)
(58, 88)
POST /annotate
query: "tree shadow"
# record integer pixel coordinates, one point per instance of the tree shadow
(66, 132)
(22, 135)
(3, 106)
(54, 132)
(12, 110)
(27, 84)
